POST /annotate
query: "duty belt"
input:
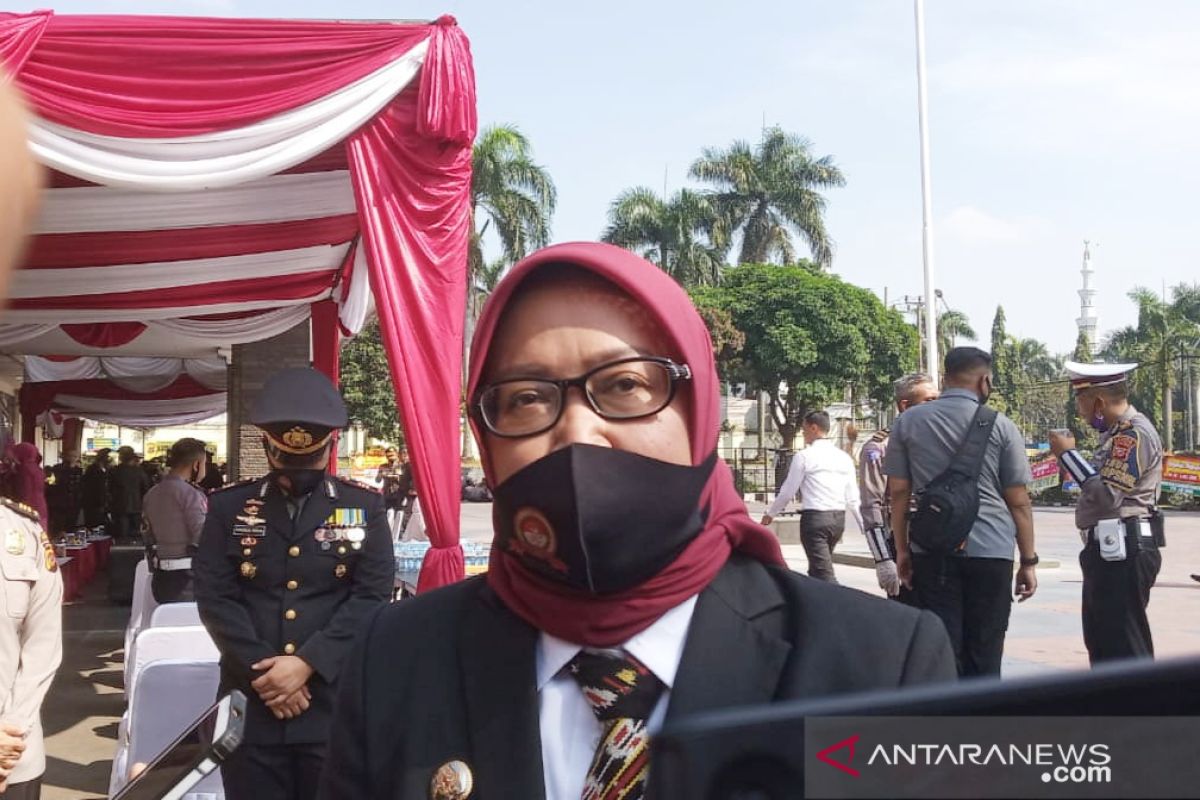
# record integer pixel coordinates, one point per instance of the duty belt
(173, 564)
(1139, 531)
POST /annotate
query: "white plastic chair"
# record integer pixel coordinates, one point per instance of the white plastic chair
(190, 642)
(141, 608)
(171, 694)
(174, 614)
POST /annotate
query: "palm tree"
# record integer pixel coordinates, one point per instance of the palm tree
(510, 193)
(1165, 333)
(675, 234)
(950, 326)
(769, 191)
(1033, 361)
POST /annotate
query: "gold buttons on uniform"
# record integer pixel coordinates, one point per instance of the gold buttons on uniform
(246, 551)
(294, 551)
(342, 550)
(452, 781)
(293, 585)
(248, 569)
(289, 614)
(289, 648)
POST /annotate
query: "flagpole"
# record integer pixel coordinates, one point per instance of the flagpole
(931, 343)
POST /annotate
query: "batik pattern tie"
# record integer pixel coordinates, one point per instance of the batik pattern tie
(622, 693)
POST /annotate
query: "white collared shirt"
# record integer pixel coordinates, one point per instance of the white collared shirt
(570, 731)
(825, 477)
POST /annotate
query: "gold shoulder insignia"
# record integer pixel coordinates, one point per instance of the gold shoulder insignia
(239, 485)
(20, 508)
(357, 484)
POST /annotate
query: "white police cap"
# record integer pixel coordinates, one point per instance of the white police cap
(1087, 376)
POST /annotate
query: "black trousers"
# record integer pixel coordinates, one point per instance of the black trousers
(273, 772)
(820, 531)
(174, 586)
(973, 598)
(25, 790)
(1115, 596)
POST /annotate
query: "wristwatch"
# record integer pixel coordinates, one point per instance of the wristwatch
(1030, 562)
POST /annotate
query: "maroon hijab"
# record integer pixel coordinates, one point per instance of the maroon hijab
(29, 480)
(608, 620)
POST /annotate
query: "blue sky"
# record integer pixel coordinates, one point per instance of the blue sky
(1051, 122)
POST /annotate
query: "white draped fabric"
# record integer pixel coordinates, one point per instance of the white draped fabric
(142, 374)
(278, 198)
(229, 157)
(142, 413)
(167, 274)
(359, 303)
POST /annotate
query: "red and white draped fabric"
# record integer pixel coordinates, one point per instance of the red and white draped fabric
(217, 181)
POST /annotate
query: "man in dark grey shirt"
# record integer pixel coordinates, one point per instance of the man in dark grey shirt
(174, 511)
(969, 590)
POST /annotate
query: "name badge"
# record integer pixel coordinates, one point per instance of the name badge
(254, 531)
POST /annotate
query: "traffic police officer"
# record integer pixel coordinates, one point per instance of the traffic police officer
(288, 567)
(911, 390)
(1116, 514)
(30, 646)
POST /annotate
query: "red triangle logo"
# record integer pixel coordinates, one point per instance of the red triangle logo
(844, 766)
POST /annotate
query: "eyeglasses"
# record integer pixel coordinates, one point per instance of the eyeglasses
(629, 388)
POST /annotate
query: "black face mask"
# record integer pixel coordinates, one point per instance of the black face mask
(599, 519)
(302, 481)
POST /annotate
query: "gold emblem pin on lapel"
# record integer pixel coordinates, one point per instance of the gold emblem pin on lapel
(452, 781)
(248, 569)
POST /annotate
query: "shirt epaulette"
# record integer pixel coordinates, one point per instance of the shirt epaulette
(20, 508)
(239, 485)
(358, 484)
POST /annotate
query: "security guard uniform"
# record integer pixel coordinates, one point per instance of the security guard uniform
(30, 637)
(1120, 525)
(283, 573)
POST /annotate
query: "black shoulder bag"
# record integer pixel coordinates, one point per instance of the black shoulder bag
(948, 506)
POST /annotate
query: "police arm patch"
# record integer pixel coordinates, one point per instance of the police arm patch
(1122, 469)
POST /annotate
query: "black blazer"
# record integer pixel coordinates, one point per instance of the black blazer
(247, 581)
(451, 675)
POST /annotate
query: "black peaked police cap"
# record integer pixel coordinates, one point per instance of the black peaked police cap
(299, 409)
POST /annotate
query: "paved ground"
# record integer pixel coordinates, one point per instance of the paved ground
(83, 707)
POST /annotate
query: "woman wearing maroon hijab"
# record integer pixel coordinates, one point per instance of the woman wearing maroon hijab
(28, 478)
(627, 585)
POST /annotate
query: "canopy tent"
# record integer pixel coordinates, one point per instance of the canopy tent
(217, 182)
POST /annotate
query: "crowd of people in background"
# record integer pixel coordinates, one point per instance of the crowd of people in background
(104, 496)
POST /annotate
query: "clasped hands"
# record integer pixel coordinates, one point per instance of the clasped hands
(284, 685)
(12, 745)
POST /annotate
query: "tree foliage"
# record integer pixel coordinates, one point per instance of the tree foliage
(1167, 332)
(367, 385)
(1003, 369)
(809, 336)
(678, 234)
(951, 326)
(511, 194)
(767, 191)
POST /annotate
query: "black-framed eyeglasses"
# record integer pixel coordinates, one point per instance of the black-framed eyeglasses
(625, 389)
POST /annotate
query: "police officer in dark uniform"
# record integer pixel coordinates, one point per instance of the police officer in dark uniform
(288, 567)
(1117, 515)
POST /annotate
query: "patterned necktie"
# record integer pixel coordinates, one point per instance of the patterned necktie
(622, 692)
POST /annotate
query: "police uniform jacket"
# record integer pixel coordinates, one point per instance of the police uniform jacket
(872, 482)
(469, 692)
(268, 585)
(30, 629)
(1127, 472)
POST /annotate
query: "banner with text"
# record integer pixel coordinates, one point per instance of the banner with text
(1181, 474)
